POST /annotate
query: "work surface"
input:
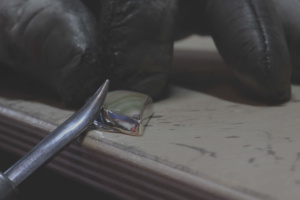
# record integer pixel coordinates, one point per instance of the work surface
(207, 139)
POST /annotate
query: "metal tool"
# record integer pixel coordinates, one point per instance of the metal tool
(52, 144)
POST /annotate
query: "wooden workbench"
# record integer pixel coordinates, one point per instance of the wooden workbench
(207, 140)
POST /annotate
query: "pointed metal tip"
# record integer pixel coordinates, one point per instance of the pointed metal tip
(101, 92)
(105, 85)
(59, 138)
(104, 88)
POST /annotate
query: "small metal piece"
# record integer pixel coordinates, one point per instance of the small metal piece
(52, 144)
(126, 112)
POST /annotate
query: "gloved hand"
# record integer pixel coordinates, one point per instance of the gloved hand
(259, 40)
(73, 47)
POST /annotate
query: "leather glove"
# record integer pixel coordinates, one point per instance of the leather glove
(259, 40)
(72, 46)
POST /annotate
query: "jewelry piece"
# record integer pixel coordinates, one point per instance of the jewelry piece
(125, 112)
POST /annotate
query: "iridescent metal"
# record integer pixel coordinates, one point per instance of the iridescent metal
(126, 112)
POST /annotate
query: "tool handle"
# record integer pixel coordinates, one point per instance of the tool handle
(8, 190)
(58, 139)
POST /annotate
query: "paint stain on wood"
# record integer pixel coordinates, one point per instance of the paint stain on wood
(251, 160)
(157, 116)
(233, 136)
(294, 164)
(201, 150)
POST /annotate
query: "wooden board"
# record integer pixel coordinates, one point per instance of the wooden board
(206, 140)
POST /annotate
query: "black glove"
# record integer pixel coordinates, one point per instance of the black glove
(258, 39)
(73, 47)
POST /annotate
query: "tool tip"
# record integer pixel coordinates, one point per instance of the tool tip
(105, 85)
(99, 96)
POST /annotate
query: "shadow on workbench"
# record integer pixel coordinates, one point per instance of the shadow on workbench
(205, 72)
(48, 185)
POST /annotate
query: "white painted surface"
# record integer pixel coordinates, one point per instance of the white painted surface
(210, 132)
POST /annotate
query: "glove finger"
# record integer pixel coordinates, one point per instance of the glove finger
(250, 39)
(289, 12)
(93, 6)
(136, 43)
(53, 41)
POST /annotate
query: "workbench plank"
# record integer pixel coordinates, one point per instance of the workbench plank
(207, 140)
